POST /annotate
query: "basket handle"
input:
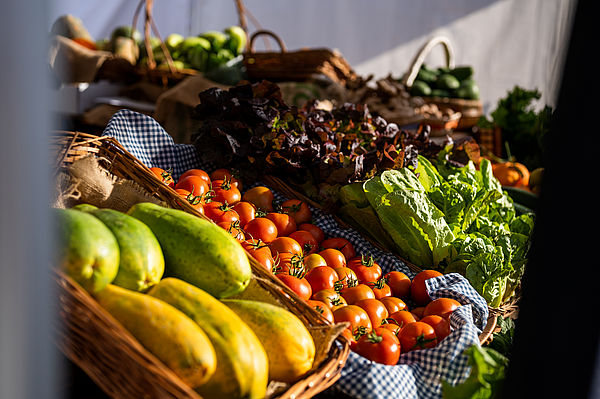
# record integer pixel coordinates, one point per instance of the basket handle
(149, 24)
(423, 52)
(268, 33)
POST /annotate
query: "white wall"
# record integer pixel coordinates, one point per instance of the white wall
(508, 42)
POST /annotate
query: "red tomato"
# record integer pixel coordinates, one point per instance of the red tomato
(261, 229)
(417, 335)
(314, 230)
(381, 289)
(331, 298)
(341, 244)
(393, 327)
(393, 304)
(440, 325)
(194, 184)
(219, 212)
(164, 176)
(418, 312)
(399, 283)
(288, 263)
(314, 260)
(334, 258)
(442, 307)
(403, 317)
(375, 309)
(321, 308)
(366, 269)
(285, 224)
(380, 346)
(306, 241)
(195, 201)
(233, 229)
(285, 244)
(418, 290)
(299, 285)
(223, 191)
(196, 172)
(226, 174)
(262, 197)
(321, 278)
(355, 293)
(260, 252)
(298, 210)
(346, 277)
(355, 315)
(182, 192)
(245, 210)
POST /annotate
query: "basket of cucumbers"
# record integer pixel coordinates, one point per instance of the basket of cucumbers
(449, 86)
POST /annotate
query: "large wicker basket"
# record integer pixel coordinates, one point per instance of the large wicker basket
(101, 347)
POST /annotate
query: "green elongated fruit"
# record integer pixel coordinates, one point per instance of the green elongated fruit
(197, 250)
(242, 364)
(164, 331)
(290, 347)
(141, 263)
(217, 39)
(236, 40)
(86, 250)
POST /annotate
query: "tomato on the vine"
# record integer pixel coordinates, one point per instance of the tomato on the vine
(285, 245)
(418, 312)
(355, 315)
(219, 212)
(331, 298)
(297, 284)
(196, 172)
(245, 210)
(393, 327)
(440, 325)
(380, 346)
(442, 307)
(321, 278)
(417, 335)
(261, 229)
(194, 184)
(260, 251)
(366, 269)
(262, 197)
(346, 277)
(298, 210)
(321, 308)
(288, 263)
(399, 283)
(346, 333)
(334, 258)
(226, 174)
(418, 289)
(164, 176)
(403, 318)
(355, 293)
(314, 230)
(375, 309)
(314, 260)
(306, 241)
(223, 191)
(234, 229)
(393, 304)
(285, 223)
(341, 244)
(380, 288)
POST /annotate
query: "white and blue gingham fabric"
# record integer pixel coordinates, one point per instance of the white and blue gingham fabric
(418, 374)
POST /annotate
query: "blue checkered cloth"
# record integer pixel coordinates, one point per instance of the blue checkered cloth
(418, 374)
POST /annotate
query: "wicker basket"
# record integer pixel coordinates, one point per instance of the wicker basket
(471, 110)
(101, 347)
(298, 65)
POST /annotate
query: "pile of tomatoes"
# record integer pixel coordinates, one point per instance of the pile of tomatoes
(326, 272)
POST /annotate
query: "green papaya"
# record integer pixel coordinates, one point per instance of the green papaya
(86, 250)
(141, 263)
(242, 370)
(175, 339)
(197, 250)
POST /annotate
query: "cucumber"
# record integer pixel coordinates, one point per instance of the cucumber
(242, 370)
(197, 250)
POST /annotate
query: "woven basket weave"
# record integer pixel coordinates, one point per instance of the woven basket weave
(101, 347)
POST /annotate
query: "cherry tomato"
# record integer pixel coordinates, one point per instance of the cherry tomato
(299, 285)
(306, 240)
(399, 283)
(442, 307)
(321, 278)
(260, 251)
(196, 172)
(381, 289)
(321, 308)
(261, 229)
(331, 298)
(288, 263)
(341, 244)
(262, 197)
(226, 174)
(418, 312)
(219, 212)
(223, 191)
(334, 258)
(355, 293)
(440, 325)
(285, 224)
(418, 290)
(314, 260)
(417, 335)
(245, 210)
(346, 277)
(393, 304)
(298, 210)
(403, 317)
(366, 269)
(234, 229)
(314, 230)
(194, 184)
(380, 346)
(164, 176)
(285, 244)
(355, 315)
(375, 309)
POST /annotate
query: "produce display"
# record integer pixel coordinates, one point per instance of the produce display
(457, 82)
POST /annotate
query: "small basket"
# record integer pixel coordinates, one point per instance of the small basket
(471, 110)
(101, 347)
(300, 65)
